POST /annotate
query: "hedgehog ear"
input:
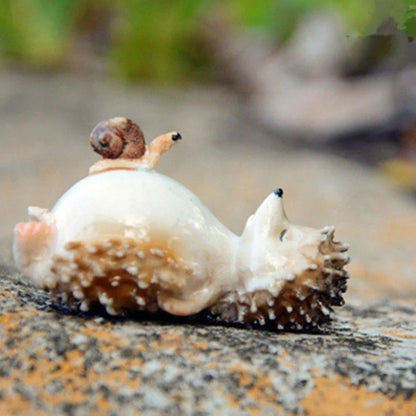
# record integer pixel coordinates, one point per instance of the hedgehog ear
(269, 219)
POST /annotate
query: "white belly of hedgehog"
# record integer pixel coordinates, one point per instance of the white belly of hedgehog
(152, 244)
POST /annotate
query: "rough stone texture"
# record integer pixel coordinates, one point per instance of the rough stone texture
(55, 362)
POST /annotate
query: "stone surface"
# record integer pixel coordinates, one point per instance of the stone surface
(55, 362)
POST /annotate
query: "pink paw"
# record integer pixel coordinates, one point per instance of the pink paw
(31, 239)
(28, 233)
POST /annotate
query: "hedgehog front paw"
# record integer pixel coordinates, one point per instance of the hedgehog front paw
(31, 241)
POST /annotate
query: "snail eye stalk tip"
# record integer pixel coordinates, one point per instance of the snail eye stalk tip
(176, 136)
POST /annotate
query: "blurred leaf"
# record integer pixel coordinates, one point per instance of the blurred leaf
(155, 40)
(409, 21)
(36, 30)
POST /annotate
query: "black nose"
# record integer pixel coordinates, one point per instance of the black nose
(278, 192)
(176, 136)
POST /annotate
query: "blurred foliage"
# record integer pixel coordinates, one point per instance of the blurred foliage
(159, 39)
(362, 18)
(37, 32)
(409, 21)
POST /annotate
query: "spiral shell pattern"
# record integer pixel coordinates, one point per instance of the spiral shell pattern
(118, 138)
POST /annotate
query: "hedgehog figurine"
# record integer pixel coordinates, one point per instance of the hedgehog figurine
(128, 238)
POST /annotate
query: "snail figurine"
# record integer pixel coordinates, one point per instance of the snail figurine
(128, 238)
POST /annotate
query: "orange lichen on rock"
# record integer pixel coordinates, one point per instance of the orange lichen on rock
(258, 388)
(337, 397)
(170, 341)
(65, 378)
(107, 340)
(398, 333)
(16, 405)
(4, 294)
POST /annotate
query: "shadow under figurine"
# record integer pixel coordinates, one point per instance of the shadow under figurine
(129, 238)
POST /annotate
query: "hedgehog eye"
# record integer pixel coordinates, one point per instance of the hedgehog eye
(282, 234)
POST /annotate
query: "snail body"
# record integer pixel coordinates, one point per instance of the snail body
(129, 238)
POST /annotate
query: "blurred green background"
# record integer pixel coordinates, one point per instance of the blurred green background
(161, 40)
(315, 71)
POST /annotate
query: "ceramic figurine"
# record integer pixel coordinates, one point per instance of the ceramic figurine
(129, 238)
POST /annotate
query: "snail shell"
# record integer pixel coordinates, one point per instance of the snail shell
(118, 137)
